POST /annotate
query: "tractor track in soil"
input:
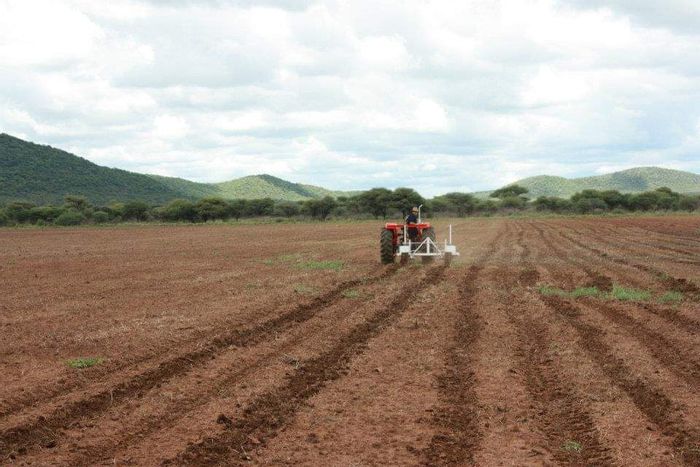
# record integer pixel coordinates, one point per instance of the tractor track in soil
(662, 349)
(104, 451)
(659, 344)
(658, 407)
(561, 413)
(268, 413)
(45, 430)
(673, 283)
(513, 375)
(45, 395)
(456, 420)
(678, 255)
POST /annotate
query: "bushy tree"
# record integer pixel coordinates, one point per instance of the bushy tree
(320, 208)
(70, 217)
(588, 205)
(44, 213)
(100, 217)
(212, 209)
(286, 209)
(689, 203)
(553, 204)
(4, 218)
(115, 210)
(79, 203)
(19, 211)
(179, 210)
(260, 207)
(509, 191)
(376, 201)
(403, 199)
(135, 210)
(238, 208)
(460, 203)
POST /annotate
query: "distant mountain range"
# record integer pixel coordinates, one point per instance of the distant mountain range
(43, 175)
(626, 181)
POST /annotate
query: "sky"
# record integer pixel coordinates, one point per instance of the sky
(436, 95)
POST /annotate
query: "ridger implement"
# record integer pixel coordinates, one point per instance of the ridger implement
(409, 241)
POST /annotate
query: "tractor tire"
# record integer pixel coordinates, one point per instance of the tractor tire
(386, 246)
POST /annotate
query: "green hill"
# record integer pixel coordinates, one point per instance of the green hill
(627, 181)
(43, 175)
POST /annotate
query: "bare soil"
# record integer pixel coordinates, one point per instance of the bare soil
(292, 344)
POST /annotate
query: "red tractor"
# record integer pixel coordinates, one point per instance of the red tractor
(409, 241)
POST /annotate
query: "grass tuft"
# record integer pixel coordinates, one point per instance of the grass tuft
(352, 293)
(585, 292)
(671, 297)
(323, 265)
(86, 362)
(628, 294)
(572, 446)
(548, 290)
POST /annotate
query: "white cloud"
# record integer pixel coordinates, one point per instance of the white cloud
(441, 96)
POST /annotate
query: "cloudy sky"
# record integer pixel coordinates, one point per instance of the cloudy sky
(437, 95)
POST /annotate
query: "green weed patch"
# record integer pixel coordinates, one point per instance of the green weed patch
(673, 297)
(80, 363)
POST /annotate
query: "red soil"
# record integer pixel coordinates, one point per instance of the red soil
(237, 345)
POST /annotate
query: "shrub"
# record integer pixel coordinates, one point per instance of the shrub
(286, 209)
(135, 210)
(212, 208)
(44, 213)
(100, 217)
(510, 191)
(588, 205)
(4, 219)
(19, 211)
(179, 210)
(515, 202)
(70, 217)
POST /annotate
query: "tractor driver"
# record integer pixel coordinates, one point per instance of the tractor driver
(412, 219)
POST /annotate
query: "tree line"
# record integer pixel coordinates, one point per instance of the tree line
(375, 203)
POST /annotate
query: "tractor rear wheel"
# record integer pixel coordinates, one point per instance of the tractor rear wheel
(386, 246)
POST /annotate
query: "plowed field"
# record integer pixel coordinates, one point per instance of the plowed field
(549, 341)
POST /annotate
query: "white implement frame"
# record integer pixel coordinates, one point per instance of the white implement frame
(428, 247)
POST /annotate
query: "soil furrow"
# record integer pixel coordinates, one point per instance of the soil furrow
(458, 434)
(666, 280)
(45, 395)
(45, 431)
(197, 399)
(672, 316)
(273, 410)
(652, 402)
(661, 348)
(564, 415)
(604, 283)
